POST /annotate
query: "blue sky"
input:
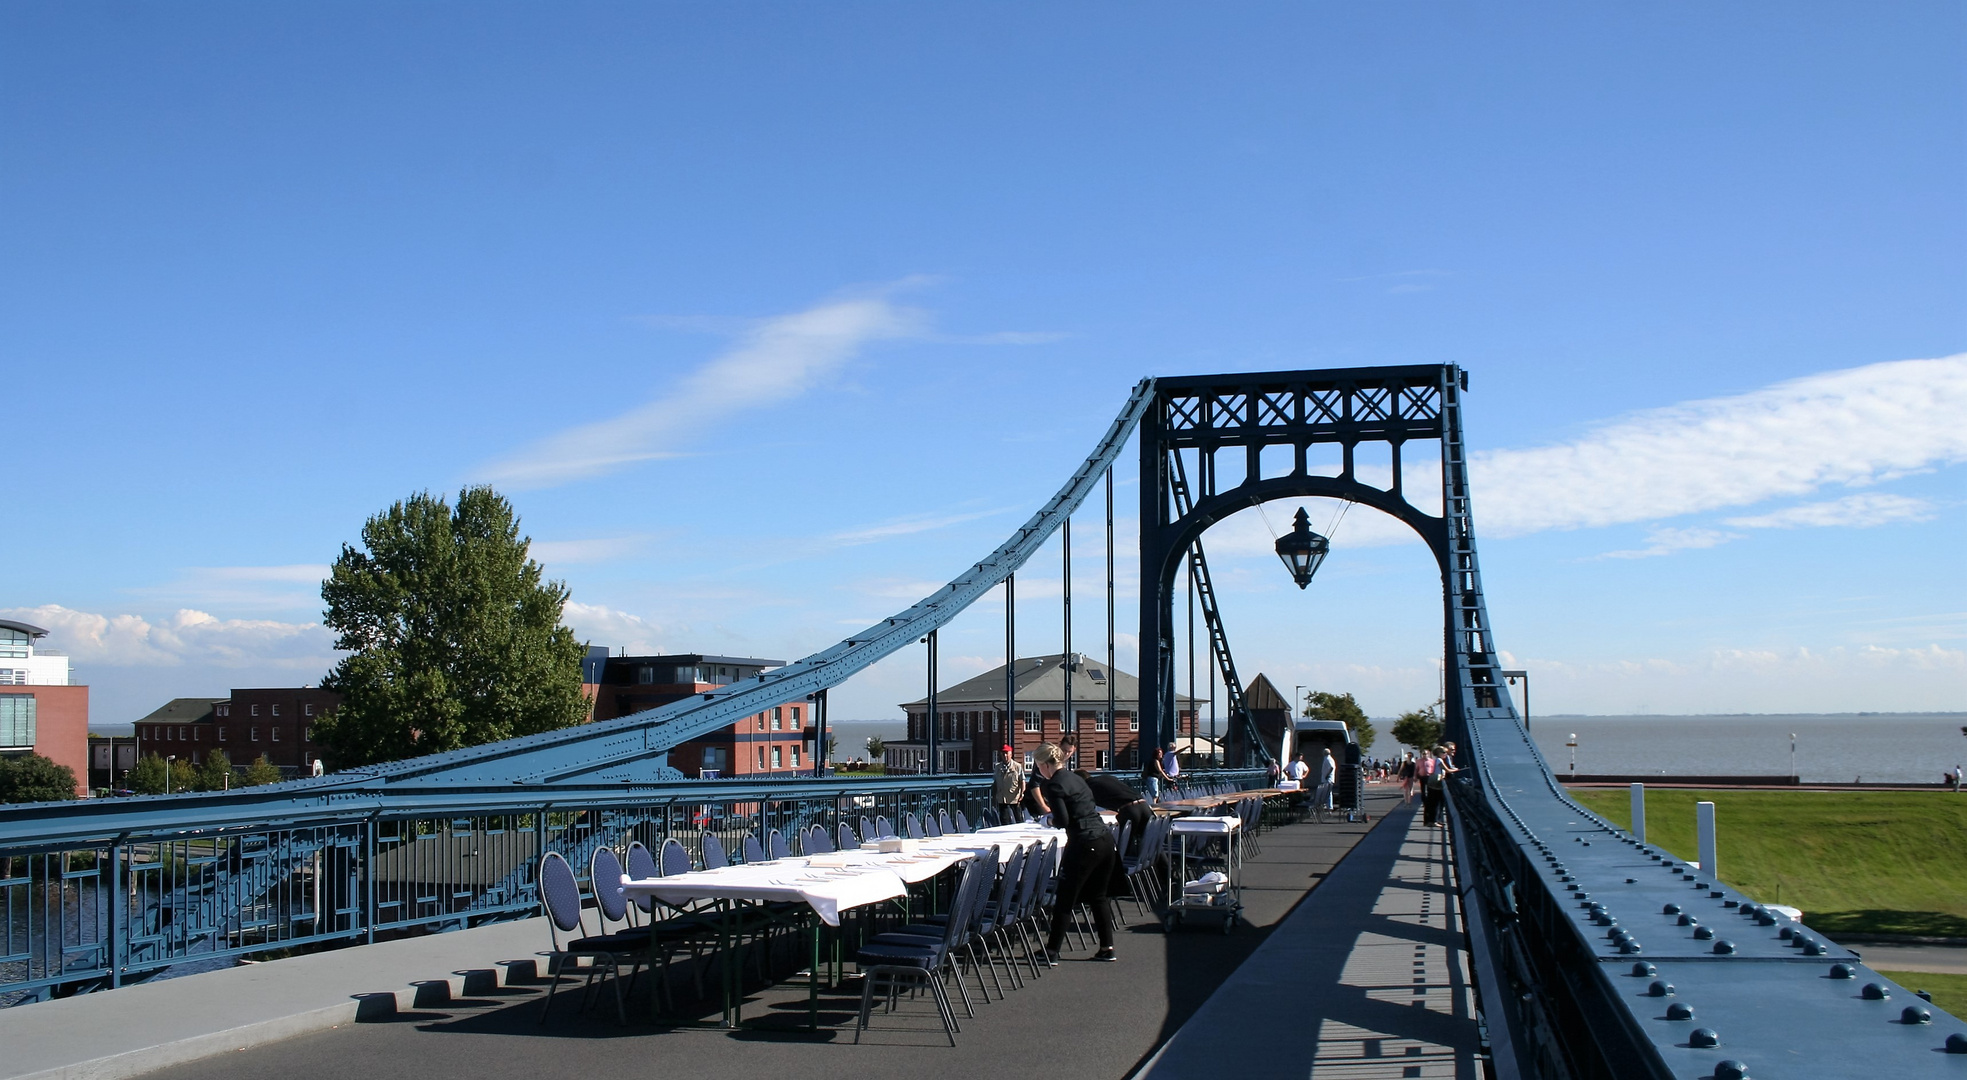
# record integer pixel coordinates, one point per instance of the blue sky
(770, 317)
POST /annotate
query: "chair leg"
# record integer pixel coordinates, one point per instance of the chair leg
(867, 1002)
(553, 965)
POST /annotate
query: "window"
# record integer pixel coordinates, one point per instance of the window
(645, 675)
(778, 719)
(308, 735)
(1032, 724)
(795, 716)
(17, 720)
(761, 721)
(256, 710)
(256, 733)
(1066, 724)
(307, 710)
(777, 758)
(276, 733)
(16, 644)
(1102, 723)
(761, 759)
(197, 734)
(225, 710)
(1133, 722)
(182, 736)
(795, 757)
(996, 721)
(221, 733)
(276, 710)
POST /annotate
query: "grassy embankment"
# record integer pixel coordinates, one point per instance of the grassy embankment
(1949, 991)
(1880, 862)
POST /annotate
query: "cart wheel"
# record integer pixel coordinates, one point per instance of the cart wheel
(1228, 922)
(1168, 923)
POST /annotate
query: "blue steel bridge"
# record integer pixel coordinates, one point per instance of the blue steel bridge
(1594, 955)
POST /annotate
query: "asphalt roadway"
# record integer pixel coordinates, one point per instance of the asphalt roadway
(1089, 1020)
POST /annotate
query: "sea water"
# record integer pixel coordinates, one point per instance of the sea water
(1890, 748)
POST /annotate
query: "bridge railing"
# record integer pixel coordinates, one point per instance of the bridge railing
(90, 912)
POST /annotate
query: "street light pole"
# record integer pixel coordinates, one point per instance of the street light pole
(1512, 676)
(1573, 744)
(167, 772)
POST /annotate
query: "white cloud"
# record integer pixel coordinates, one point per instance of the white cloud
(906, 526)
(1667, 541)
(592, 550)
(186, 637)
(598, 624)
(776, 360)
(1852, 427)
(1852, 511)
(284, 587)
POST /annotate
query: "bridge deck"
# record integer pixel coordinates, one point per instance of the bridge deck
(1097, 1020)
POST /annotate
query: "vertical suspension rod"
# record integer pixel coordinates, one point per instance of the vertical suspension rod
(1112, 723)
(935, 766)
(1011, 661)
(1067, 720)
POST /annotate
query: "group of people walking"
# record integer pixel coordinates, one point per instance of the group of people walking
(1430, 772)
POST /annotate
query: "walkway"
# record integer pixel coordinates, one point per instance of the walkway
(1365, 980)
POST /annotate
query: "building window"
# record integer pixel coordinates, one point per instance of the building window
(778, 719)
(225, 710)
(16, 644)
(795, 757)
(645, 675)
(1133, 722)
(761, 721)
(308, 735)
(276, 710)
(996, 721)
(761, 759)
(1032, 723)
(276, 732)
(1067, 724)
(221, 733)
(256, 733)
(777, 758)
(197, 734)
(795, 716)
(256, 710)
(1102, 723)
(307, 710)
(17, 719)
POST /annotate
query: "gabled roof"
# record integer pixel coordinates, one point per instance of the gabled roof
(184, 710)
(1262, 694)
(1041, 679)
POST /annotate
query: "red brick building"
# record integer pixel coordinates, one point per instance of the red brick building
(972, 716)
(277, 723)
(40, 712)
(776, 740)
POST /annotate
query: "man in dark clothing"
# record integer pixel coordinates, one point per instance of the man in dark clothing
(1089, 863)
(1112, 793)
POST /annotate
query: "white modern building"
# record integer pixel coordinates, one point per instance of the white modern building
(21, 664)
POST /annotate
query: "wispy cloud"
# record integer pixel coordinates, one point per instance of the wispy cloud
(906, 526)
(592, 550)
(1667, 541)
(599, 624)
(774, 361)
(1852, 511)
(1853, 427)
(253, 587)
(186, 637)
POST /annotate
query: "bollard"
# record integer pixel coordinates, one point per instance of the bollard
(1704, 824)
(1639, 812)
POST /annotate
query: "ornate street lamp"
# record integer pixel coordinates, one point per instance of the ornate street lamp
(1302, 550)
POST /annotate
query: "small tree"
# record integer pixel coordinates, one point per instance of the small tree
(1419, 728)
(33, 778)
(1320, 705)
(876, 748)
(147, 778)
(215, 774)
(261, 771)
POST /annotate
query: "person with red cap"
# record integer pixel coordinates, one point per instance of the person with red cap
(1007, 791)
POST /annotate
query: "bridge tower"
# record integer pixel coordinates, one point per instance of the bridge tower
(1194, 420)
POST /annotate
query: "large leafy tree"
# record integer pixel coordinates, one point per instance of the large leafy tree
(1419, 728)
(1320, 705)
(453, 636)
(33, 778)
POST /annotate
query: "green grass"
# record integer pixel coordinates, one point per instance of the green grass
(1881, 862)
(1949, 991)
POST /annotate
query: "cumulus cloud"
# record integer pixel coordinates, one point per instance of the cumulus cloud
(1853, 428)
(186, 637)
(775, 360)
(599, 624)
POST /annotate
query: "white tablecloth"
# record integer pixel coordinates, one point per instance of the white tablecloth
(1209, 825)
(827, 890)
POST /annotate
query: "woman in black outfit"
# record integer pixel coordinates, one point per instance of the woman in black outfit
(1089, 861)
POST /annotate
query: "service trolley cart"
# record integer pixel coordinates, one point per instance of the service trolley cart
(1205, 869)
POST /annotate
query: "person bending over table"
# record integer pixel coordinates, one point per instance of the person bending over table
(1112, 793)
(1090, 863)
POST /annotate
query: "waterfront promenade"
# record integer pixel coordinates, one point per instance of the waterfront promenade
(1312, 978)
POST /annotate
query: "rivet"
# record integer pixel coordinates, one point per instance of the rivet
(1957, 1044)
(1914, 1014)
(1629, 947)
(1875, 992)
(1670, 909)
(1730, 1069)
(1722, 947)
(1765, 919)
(1686, 920)
(1815, 948)
(1700, 884)
(1679, 1010)
(1703, 933)
(1659, 988)
(1703, 1037)
(1843, 971)
(1731, 903)
(1644, 969)
(1632, 881)
(1714, 894)
(1786, 933)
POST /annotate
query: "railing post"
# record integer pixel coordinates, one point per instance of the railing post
(1639, 812)
(369, 880)
(116, 944)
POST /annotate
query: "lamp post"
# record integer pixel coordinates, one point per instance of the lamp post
(168, 758)
(1792, 756)
(1512, 676)
(1573, 744)
(1302, 550)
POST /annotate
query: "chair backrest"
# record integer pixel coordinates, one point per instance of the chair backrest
(1126, 835)
(775, 845)
(867, 828)
(714, 857)
(930, 825)
(963, 823)
(1009, 881)
(986, 886)
(753, 850)
(845, 833)
(979, 874)
(1034, 875)
(817, 841)
(604, 873)
(913, 825)
(675, 858)
(883, 827)
(641, 865)
(942, 818)
(560, 894)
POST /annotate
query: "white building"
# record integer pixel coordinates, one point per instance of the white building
(21, 664)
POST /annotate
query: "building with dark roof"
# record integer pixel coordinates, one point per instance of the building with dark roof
(276, 723)
(971, 717)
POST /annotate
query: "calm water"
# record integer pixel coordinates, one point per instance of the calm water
(1910, 748)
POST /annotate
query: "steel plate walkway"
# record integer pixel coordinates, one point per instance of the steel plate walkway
(1367, 979)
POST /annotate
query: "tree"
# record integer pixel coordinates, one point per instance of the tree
(1320, 705)
(454, 638)
(214, 774)
(148, 777)
(261, 771)
(1419, 728)
(33, 778)
(876, 749)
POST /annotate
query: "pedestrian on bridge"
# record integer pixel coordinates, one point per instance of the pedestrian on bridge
(1428, 771)
(1407, 768)
(1090, 863)
(1007, 789)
